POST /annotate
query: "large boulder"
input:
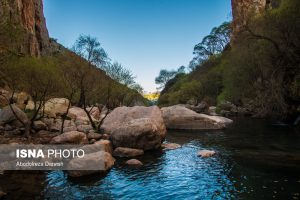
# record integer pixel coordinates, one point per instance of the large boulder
(8, 116)
(72, 137)
(97, 162)
(56, 107)
(180, 117)
(136, 127)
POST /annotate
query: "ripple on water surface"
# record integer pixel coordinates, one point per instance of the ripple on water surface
(253, 161)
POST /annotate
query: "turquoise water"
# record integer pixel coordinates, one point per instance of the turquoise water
(254, 161)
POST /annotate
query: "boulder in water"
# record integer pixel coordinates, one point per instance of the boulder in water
(170, 146)
(136, 127)
(180, 117)
(127, 152)
(97, 162)
(134, 163)
(206, 153)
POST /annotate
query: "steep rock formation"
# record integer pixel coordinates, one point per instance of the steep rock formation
(242, 10)
(28, 14)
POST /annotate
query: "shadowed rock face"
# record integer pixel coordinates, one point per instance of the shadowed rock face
(29, 15)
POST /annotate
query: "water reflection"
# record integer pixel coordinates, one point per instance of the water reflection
(254, 161)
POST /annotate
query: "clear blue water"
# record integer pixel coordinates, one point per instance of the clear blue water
(254, 161)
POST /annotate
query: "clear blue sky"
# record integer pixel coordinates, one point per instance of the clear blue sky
(143, 35)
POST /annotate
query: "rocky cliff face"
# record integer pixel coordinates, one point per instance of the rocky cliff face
(28, 14)
(242, 10)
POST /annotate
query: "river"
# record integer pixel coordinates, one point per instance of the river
(254, 160)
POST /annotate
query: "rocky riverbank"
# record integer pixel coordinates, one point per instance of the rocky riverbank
(125, 132)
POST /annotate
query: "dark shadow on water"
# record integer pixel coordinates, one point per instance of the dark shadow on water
(254, 160)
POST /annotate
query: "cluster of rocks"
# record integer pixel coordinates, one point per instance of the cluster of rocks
(229, 109)
(9, 122)
(128, 131)
(225, 109)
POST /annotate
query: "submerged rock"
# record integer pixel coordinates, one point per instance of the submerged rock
(127, 152)
(135, 127)
(206, 153)
(134, 163)
(73, 137)
(170, 146)
(102, 161)
(179, 117)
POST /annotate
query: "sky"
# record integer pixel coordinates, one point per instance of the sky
(145, 36)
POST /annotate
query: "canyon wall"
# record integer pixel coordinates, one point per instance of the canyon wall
(28, 14)
(242, 10)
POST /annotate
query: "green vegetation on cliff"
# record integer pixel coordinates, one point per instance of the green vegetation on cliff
(260, 67)
(78, 75)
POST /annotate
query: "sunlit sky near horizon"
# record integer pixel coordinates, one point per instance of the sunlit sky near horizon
(143, 35)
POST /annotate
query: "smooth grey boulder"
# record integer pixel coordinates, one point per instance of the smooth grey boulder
(136, 127)
(180, 117)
